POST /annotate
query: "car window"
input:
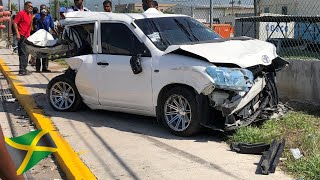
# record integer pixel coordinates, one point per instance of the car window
(118, 39)
(82, 36)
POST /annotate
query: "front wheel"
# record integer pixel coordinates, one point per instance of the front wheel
(63, 95)
(179, 111)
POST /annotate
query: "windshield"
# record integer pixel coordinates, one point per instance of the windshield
(167, 31)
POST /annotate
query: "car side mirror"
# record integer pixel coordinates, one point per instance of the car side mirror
(135, 63)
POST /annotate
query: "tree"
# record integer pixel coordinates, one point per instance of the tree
(14, 7)
(65, 3)
(62, 3)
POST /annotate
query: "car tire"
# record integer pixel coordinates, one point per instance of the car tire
(63, 94)
(179, 111)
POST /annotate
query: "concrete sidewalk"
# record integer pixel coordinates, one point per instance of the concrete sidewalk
(26, 90)
(123, 146)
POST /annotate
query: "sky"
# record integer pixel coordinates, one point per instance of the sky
(97, 4)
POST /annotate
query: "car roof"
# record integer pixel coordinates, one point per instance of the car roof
(80, 17)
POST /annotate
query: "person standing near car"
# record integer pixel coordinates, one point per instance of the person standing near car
(44, 22)
(35, 11)
(156, 5)
(14, 37)
(78, 6)
(107, 6)
(22, 24)
(148, 7)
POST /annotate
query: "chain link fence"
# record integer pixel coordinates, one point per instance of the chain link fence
(293, 26)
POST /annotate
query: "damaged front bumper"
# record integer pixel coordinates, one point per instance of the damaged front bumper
(240, 108)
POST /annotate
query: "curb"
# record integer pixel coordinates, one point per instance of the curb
(68, 160)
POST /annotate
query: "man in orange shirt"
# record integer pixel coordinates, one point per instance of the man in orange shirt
(23, 24)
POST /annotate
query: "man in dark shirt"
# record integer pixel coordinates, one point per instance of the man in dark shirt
(22, 24)
(43, 21)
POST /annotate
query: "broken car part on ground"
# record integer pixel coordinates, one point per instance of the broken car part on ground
(167, 66)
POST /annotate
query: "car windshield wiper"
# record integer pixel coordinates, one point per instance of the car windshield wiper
(189, 34)
(191, 30)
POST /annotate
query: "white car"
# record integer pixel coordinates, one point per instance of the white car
(166, 66)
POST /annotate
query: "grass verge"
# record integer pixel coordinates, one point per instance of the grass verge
(61, 62)
(300, 130)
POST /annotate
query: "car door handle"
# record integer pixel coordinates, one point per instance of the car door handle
(102, 64)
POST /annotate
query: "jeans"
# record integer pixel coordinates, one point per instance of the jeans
(15, 41)
(23, 55)
(45, 63)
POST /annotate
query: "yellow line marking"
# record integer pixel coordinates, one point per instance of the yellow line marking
(68, 160)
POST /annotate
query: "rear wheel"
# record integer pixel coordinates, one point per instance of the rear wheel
(178, 111)
(63, 95)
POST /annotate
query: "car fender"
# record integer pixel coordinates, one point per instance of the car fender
(75, 62)
(176, 69)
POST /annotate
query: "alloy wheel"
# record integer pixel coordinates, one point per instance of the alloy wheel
(62, 95)
(177, 113)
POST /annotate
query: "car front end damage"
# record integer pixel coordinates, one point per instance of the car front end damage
(243, 95)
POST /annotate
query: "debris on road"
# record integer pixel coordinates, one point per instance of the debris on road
(246, 148)
(270, 159)
(296, 153)
(11, 100)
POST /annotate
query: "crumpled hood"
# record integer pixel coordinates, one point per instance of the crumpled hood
(242, 52)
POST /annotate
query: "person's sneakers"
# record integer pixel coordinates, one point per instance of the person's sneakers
(38, 71)
(24, 73)
(46, 70)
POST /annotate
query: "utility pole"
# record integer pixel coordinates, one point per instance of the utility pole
(56, 9)
(256, 32)
(19, 3)
(1, 31)
(9, 26)
(210, 16)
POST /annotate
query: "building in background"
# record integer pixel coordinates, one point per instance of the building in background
(137, 7)
(202, 13)
(290, 7)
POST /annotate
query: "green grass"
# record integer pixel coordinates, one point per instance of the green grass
(61, 62)
(300, 131)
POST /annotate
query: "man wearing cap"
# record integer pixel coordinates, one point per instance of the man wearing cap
(62, 11)
(78, 6)
(43, 21)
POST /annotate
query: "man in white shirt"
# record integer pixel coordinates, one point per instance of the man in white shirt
(148, 7)
(78, 6)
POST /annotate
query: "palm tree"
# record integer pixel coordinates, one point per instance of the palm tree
(14, 7)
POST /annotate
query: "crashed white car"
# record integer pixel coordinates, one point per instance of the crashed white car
(167, 66)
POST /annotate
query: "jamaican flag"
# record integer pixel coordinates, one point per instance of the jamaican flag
(29, 149)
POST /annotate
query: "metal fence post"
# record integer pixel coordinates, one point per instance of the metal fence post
(256, 32)
(9, 26)
(210, 15)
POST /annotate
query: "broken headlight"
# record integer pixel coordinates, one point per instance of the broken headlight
(235, 79)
